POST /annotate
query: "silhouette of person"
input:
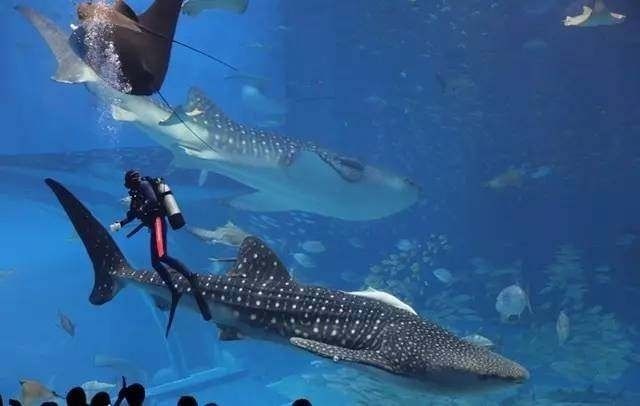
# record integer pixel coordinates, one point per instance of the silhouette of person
(211, 404)
(134, 394)
(187, 401)
(147, 206)
(100, 399)
(50, 403)
(13, 402)
(301, 402)
(76, 397)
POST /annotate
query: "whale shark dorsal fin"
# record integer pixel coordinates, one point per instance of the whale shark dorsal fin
(338, 354)
(383, 297)
(201, 108)
(258, 263)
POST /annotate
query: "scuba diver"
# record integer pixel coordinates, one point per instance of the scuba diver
(151, 202)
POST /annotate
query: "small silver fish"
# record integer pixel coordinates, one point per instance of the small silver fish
(6, 273)
(304, 260)
(66, 324)
(229, 234)
(443, 275)
(563, 327)
(405, 245)
(314, 247)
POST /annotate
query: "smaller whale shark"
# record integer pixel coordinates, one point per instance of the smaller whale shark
(287, 174)
(593, 17)
(257, 298)
(195, 7)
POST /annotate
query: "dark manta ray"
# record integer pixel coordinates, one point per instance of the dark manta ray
(258, 298)
(130, 52)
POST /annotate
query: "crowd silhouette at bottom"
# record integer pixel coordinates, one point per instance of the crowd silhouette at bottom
(134, 395)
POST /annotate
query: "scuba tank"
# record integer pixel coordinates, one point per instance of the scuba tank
(169, 204)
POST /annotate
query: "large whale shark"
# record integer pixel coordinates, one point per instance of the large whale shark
(287, 174)
(257, 298)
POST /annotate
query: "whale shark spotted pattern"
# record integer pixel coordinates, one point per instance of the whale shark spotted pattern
(229, 137)
(258, 298)
(286, 174)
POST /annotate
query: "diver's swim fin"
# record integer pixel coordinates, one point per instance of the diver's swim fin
(175, 298)
(197, 294)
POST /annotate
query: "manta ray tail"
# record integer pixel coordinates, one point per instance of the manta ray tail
(103, 251)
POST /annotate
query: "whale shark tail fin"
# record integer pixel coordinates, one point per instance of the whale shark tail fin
(71, 69)
(105, 255)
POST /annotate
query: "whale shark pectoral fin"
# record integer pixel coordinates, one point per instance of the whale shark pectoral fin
(367, 357)
(261, 201)
(120, 114)
(579, 19)
(228, 333)
(208, 154)
(71, 69)
(176, 117)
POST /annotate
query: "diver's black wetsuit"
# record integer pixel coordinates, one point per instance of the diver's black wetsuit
(145, 207)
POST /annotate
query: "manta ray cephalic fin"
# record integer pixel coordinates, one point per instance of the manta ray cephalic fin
(337, 353)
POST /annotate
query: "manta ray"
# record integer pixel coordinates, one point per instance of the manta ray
(129, 51)
(257, 298)
(286, 174)
(594, 17)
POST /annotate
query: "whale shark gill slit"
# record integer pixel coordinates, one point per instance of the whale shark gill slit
(349, 169)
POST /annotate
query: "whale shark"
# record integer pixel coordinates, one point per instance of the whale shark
(286, 174)
(597, 16)
(257, 298)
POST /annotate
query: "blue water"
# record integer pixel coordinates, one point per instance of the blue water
(448, 95)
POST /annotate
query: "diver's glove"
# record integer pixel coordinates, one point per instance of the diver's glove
(115, 226)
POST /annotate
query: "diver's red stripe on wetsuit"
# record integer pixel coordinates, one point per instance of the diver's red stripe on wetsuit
(159, 242)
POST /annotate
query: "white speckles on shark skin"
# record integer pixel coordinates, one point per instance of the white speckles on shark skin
(261, 295)
(233, 138)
